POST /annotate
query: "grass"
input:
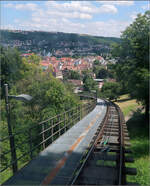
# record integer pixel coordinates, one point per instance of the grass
(127, 105)
(5, 175)
(139, 138)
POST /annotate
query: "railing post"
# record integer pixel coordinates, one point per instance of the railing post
(80, 111)
(43, 135)
(52, 130)
(59, 123)
(65, 121)
(11, 137)
(69, 119)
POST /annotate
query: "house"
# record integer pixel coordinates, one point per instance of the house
(111, 80)
(100, 82)
(57, 73)
(77, 85)
(76, 82)
(45, 64)
(26, 55)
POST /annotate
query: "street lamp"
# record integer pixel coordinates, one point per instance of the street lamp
(22, 97)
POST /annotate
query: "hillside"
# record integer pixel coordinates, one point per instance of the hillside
(57, 43)
(139, 138)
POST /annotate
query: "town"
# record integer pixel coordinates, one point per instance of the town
(75, 93)
(61, 66)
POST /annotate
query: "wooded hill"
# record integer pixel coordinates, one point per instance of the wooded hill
(67, 43)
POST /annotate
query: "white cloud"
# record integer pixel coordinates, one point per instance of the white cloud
(53, 16)
(80, 6)
(133, 16)
(98, 28)
(109, 28)
(106, 8)
(119, 3)
(53, 10)
(28, 6)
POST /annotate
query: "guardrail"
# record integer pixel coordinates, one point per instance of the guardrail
(38, 137)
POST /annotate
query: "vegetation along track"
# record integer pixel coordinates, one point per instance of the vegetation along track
(103, 163)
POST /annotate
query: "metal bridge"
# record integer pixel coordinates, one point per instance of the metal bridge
(66, 139)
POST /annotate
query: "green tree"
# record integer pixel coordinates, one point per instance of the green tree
(50, 97)
(71, 74)
(32, 59)
(12, 67)
(111, 90)
(89, 83)
(100, 72)
(133, 59)
(103, 73)
(96, 62)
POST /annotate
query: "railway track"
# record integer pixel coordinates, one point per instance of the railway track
(103, 163)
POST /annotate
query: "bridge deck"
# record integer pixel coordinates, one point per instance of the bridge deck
(58, 161)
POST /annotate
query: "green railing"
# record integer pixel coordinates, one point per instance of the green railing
(29, 142)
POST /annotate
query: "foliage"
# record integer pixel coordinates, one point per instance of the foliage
(52, 41)
(96, 62)
(32, 59)
(50, 97)
(103, 73)
(110, 70)
(127, 104)
(12, 67)
(89, 83)
(132, 68)
(111, 90)
(71, 74)
(139, 138)
(140, 146)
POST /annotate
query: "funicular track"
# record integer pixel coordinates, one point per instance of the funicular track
(103, 163)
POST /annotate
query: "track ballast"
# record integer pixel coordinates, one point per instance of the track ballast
(103, 163)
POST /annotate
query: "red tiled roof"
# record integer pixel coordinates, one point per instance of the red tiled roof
(28, 54)
(75, 82)
(44, 64)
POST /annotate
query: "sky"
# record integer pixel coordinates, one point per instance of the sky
(98, 18)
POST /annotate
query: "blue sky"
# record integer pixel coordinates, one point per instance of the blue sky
(100, 18)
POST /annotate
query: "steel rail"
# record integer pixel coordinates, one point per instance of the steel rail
(73, 179)
(100, 131)
(121, 154)
(121, 180)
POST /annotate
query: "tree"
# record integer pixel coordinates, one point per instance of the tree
(111, 90)
(89, 83)
(12, 67)
(50, 97)
(71, 74)
(103, 73)
(96, 62)
(33, 59)
(133, 61)
(100, 72)
(74, 75)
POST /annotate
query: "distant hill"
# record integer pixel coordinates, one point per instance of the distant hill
(56, 43)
